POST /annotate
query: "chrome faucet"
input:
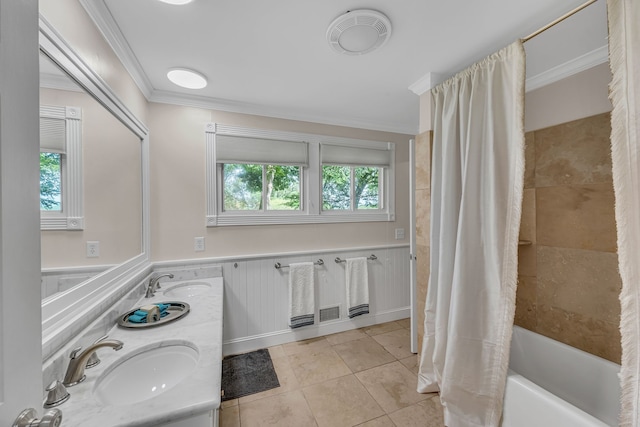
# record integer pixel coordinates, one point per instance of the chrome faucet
(75, 370)
(154, 283)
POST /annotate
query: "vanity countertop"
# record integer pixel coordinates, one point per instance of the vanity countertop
(198, 393)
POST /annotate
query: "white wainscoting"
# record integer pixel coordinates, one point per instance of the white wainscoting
(256, 296)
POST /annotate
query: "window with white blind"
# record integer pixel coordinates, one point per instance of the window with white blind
(270, 177)
(61, 168)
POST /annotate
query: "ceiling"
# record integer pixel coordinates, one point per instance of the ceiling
(272, 58)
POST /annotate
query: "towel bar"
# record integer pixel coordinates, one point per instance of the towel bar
(318, 262)
(371, 258)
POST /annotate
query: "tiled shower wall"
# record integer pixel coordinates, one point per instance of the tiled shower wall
(568, 277)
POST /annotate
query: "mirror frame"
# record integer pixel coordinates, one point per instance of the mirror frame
(66, 313)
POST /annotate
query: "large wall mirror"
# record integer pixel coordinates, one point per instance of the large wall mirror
(91, 185)
(94, 201)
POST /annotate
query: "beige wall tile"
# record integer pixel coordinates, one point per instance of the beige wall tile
(573, 153)
(529, 160)
(423, 160)
(583, 332)
(423, 215)
(527, 260)
(526, 303)
(580, 217)
(528, 218)
(422, 282)
(578, 281)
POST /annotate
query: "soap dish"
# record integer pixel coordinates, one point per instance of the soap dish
(176, 310)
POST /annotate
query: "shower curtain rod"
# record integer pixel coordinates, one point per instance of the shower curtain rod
(557, 21)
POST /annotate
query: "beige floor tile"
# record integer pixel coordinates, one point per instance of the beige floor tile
(363, 354)
(284, 410)
(230, 416)
(313, 368)
(382, 328)
(286, 378)
(306, 346)
(427, 413)
(396, 342)
(405, 323)
(392, 385)
(229, 403)
(276, 352)
(342, 337)
(378, 422)
(341, 402)
(412, 363)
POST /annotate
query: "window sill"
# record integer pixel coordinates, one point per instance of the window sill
(326, 218)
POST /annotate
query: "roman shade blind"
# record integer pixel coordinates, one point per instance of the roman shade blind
(355, 156)
(240, 149)
(52, 135)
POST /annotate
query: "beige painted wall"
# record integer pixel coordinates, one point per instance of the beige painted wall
(112, 189)
(178, 191)
(582, 95)
(70, 19)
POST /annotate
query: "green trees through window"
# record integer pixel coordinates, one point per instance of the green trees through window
(250, 187)
(339, 183)
(50, 182)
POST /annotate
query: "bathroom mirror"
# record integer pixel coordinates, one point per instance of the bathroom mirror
(115, 203)
(91, 186)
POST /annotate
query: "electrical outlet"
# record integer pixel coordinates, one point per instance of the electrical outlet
(399, 233)
(198, 244)
(93, 249)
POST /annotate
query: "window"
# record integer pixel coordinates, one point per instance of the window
(251, 187)
(60, 168)
(269, 177)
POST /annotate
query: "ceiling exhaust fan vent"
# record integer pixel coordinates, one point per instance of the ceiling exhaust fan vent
(358, 32)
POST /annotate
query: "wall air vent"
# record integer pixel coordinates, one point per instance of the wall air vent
(329, 313)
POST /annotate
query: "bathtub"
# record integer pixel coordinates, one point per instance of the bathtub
(551, 384)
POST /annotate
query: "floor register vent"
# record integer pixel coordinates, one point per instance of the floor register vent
(329, 313)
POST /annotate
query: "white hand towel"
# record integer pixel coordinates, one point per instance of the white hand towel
(357, 280)
(301, 295)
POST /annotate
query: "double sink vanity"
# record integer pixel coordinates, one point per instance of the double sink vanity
(163, 373)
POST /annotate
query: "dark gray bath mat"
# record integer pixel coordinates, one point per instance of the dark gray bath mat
(246, 374)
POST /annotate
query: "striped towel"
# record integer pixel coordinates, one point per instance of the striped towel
(357, 280)
(301, 295)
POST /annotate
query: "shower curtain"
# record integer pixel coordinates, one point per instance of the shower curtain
(624, 92)
(477, 185)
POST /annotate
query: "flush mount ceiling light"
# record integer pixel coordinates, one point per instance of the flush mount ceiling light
(177, 2)
(358, 32)
(187, 78)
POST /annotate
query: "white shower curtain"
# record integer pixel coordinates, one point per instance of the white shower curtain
(476, 198)
(624, 60)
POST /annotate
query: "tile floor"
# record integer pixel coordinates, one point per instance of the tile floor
(364, 377)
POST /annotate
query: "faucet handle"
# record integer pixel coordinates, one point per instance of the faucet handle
(57, 394)
(75, 352)
(94, 360)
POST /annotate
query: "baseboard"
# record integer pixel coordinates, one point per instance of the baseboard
(245, 344)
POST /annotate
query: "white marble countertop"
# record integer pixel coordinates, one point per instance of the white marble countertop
(198, 393)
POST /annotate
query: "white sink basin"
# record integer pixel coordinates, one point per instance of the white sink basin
(188, 289)
(145, 374)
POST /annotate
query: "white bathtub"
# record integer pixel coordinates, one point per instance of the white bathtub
(551, 384)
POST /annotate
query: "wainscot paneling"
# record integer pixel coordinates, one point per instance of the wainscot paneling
(256, 296)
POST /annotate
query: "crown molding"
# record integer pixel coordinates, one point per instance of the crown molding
(584, 62)
(426, 83)
(165, 97)
(101, 16)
